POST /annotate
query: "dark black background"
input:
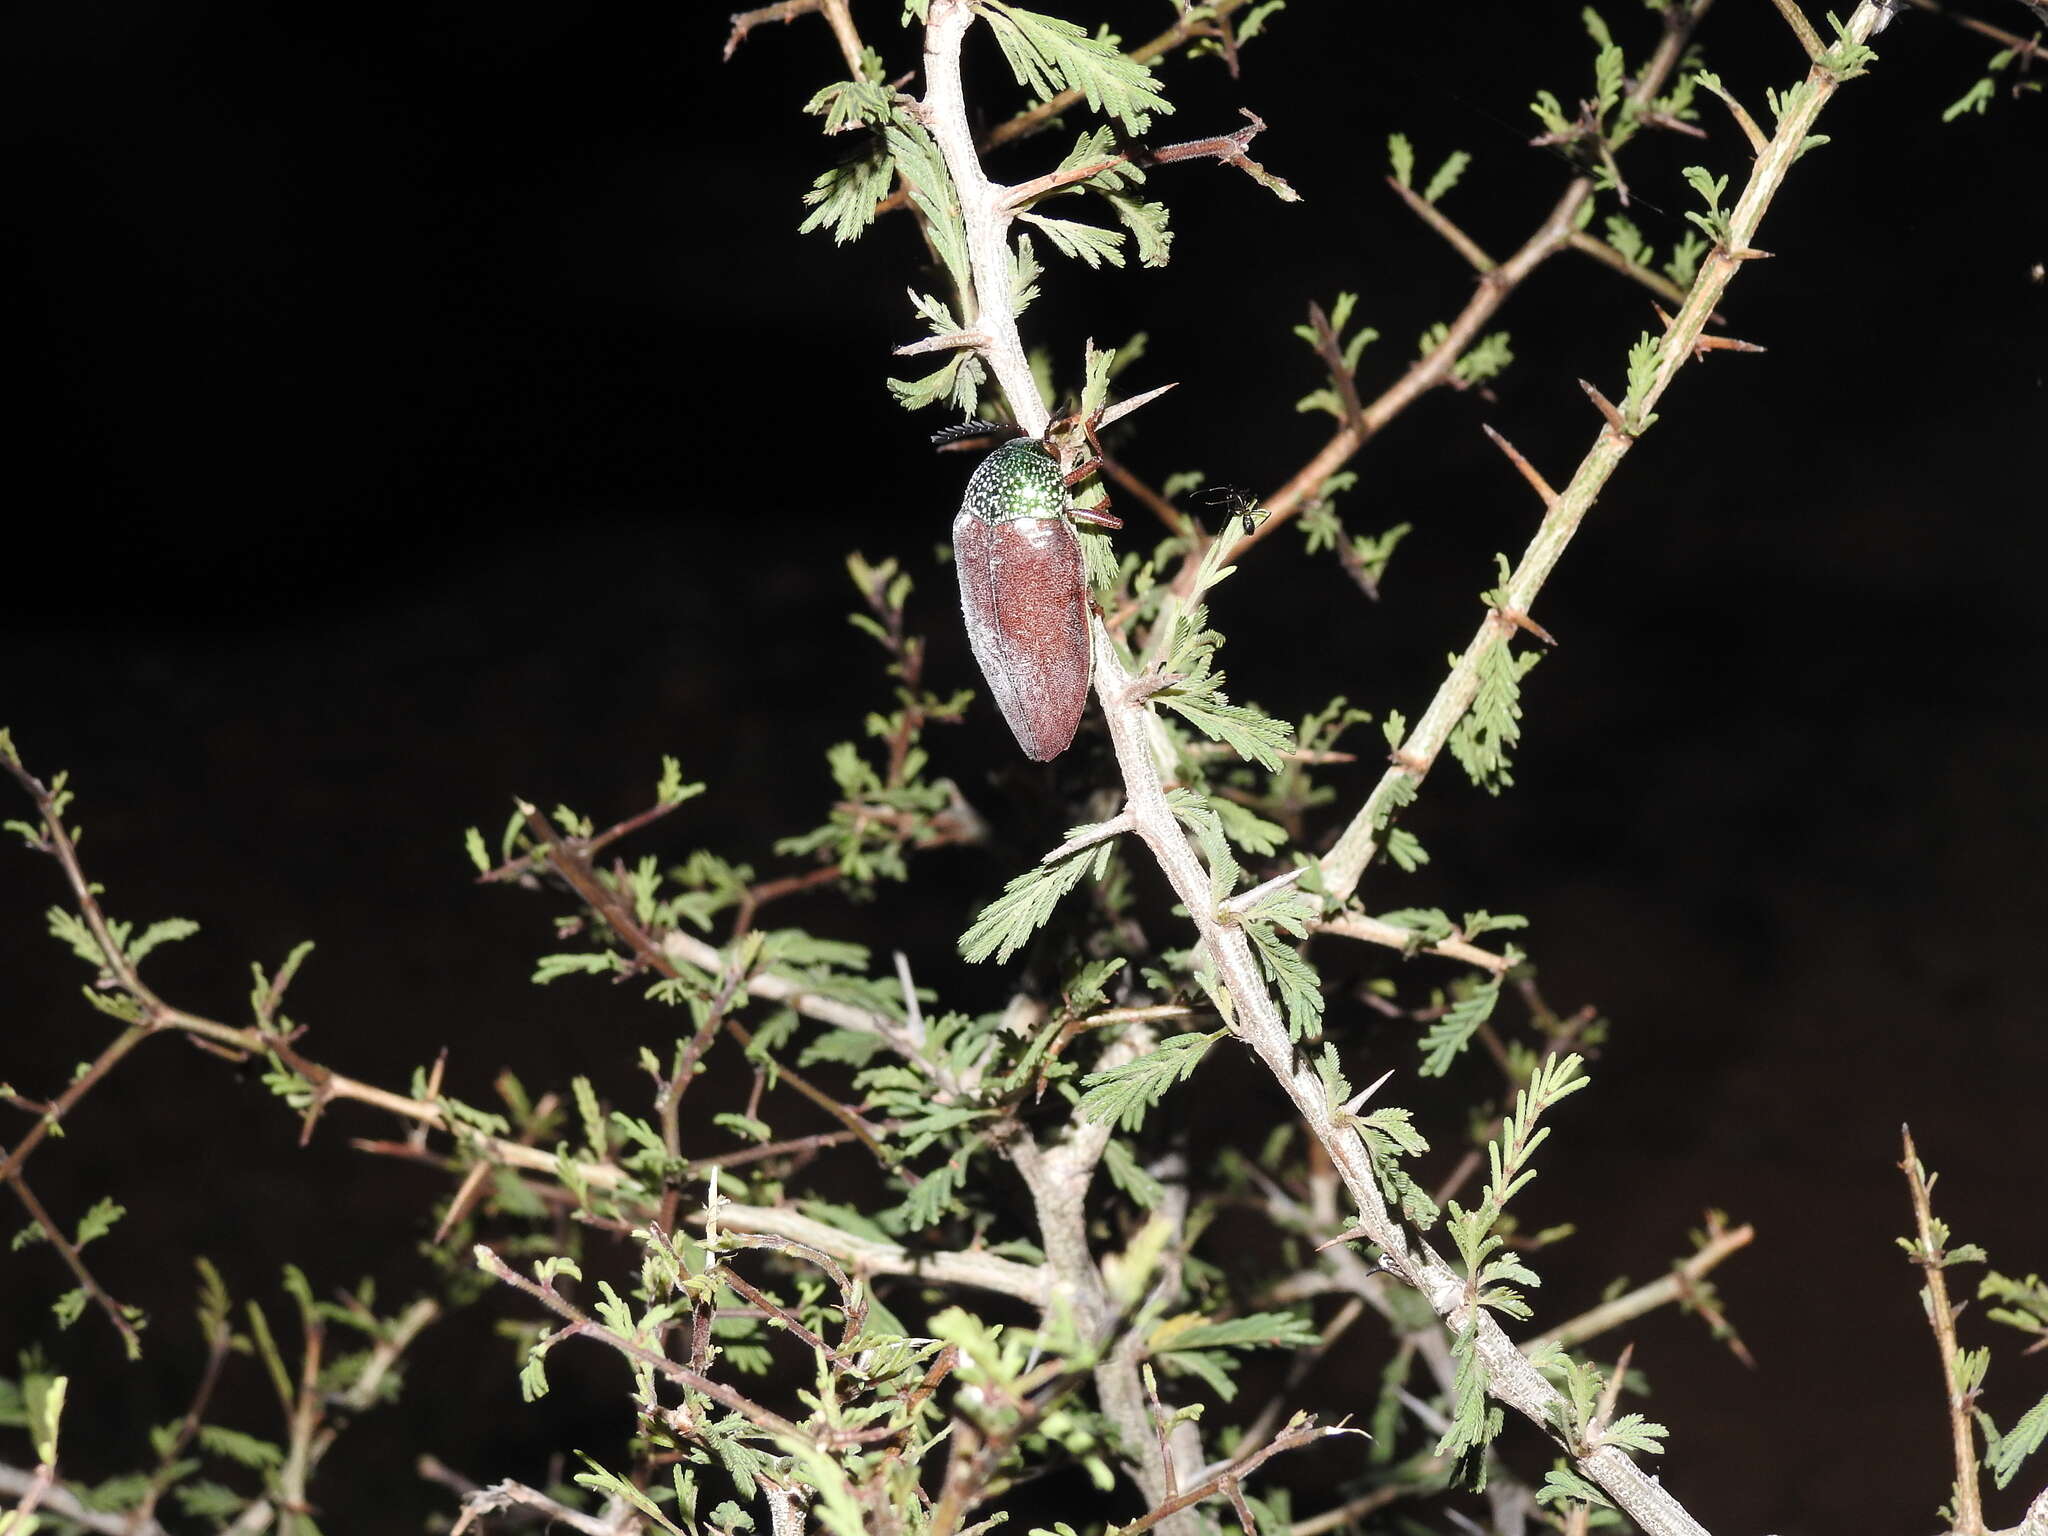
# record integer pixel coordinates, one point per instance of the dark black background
(414, 406)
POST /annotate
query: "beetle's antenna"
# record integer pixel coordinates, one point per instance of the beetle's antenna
(969, 433)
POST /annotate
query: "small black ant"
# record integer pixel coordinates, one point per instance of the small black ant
(1237, 503)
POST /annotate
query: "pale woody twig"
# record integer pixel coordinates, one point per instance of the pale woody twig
(947, 342)
(1351, 1510)
(1644, 1298)
(56, 1500)
(37, 1488)
(1439, 221)
(1608, 256)
(1801, 27)
(1356, 925)
(1288, 1439)
(1089, 836)
(510, 1495)
(840, 18)
(784, 11)
(984, 1271)
(944, 111)
(892, 1033)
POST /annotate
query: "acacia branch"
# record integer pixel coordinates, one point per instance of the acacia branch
(40, 1490)
(984, 1271)
(608, 905)
(2025, 46)
(1440, 221)
(1032, 119)
(1225, 148)
(1510, 1377)
(1057, 1175)
(1626, 1308)
(1609, 257)
(1226, 1481)
(1356, 925)
(515, 1495)
(1495, 285)
(695, 1381)
(1931, 1256)
(1258, 1023)
(54, 1112)
(220, 1338)
(1345, 863)
(982, 210)
(117, 1314)
(784, 11)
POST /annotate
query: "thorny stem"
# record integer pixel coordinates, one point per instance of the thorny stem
(1439, 221)
(761, 1418)
(870, 1256)
(1034, 118)
(1930, 1256)
(784, 11)
(840, 19)
(1345, 863)
(1287, 1440)
(39, 1489)
(1631, 1305)
(583, 880)
(981, 1270)
(1801, 27)
(219, 1340)
(1228, 148)
(1057, 1175)
(512, 869)
(2024, 45)
(114, 1050)
(1552, 235)
(1608, 256)
(1511, 1378)
(986, 207)
(1356, 925)
(116, 1313)
(508, 1494)
(981, 206)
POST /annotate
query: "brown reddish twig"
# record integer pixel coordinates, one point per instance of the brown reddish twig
(1930, 1253)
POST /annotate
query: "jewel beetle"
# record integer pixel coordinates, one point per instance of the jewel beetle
(1024, 587)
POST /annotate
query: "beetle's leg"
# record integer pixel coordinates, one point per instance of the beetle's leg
(1088, 425)
(1097, 514)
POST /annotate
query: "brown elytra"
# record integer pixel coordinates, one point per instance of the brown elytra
(1024, 592)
